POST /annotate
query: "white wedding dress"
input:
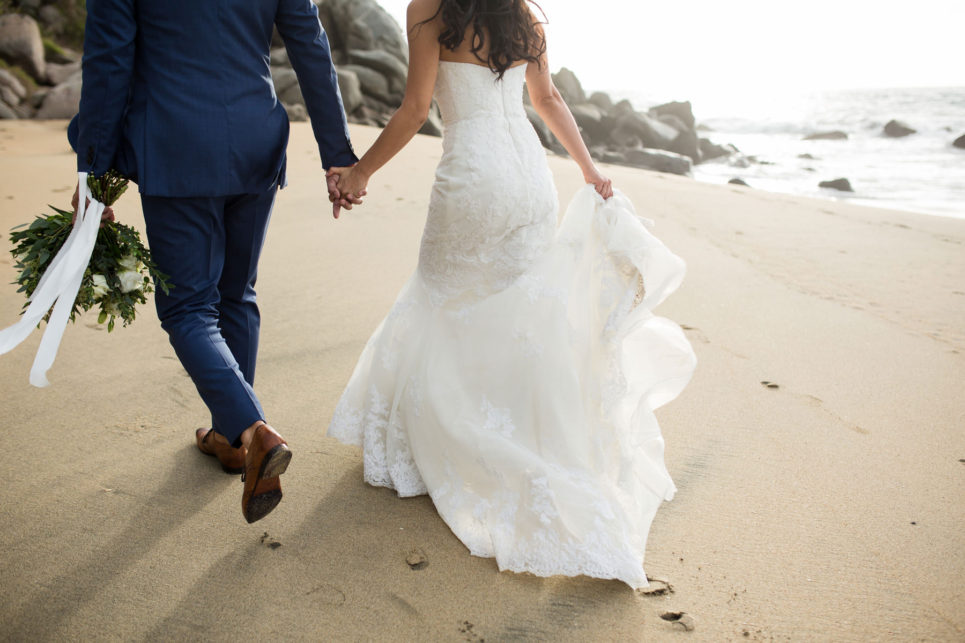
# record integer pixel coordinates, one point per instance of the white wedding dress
(515, 378)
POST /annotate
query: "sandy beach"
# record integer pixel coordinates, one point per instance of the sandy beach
(831, 507)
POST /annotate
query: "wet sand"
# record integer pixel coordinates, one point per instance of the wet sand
(828, 506)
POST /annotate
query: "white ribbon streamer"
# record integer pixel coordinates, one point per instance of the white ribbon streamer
(58, 287)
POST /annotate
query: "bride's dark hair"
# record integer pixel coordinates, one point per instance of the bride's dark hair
(506, 29)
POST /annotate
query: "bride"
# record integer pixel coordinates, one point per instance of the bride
(514, 379)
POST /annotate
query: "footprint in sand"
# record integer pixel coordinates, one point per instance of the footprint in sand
(819, 403)
(269, 542)
(326, 595)
(695, 332)
(417, 559)
(680, 619)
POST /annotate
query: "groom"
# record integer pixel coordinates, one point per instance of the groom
(177, 95)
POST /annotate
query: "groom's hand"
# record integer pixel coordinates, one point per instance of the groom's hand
(108, 214)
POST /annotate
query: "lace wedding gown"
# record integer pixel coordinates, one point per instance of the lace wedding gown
(515, 378)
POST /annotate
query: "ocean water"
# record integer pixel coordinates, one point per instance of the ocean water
(922, 172)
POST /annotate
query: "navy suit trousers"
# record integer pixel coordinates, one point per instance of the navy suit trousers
(209, 246)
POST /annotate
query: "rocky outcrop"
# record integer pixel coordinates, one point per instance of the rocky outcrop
(833, 135)
(959, 142)
(371, 56)
(842, 185)
(897, 129)
(664, 138)
(21, 44)
(361, 25)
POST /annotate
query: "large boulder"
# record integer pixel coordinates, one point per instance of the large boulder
(833, 135)
(637, 127)
(710, 150)
(394, 70)
(351, 89)
(362, 25)
(682, 110)
(292, 95)
(605, 155)
(897, 129)
(592, 121)
(279, 57)
(842, 185)
(11, 82)
(20, 43)
(569, 87)
(658, 160)
(296, 113)
(62, 101)
(52, 19)
(9, 96)
(959, 142)
(672, 121)
(374, 85)
(7, 112)
(60, 73)
(688, 144)
(621, 109)
(283, 78)
(602, 100)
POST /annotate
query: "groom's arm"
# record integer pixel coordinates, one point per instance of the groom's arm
(108, 66)
(308, 51)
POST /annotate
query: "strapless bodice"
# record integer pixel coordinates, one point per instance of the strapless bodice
(467, 91)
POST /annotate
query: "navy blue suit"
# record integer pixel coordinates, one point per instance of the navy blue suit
(177, 95)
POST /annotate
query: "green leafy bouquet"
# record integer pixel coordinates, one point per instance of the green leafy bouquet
(120, 272)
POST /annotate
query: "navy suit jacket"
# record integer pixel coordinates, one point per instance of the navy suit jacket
(177, 94)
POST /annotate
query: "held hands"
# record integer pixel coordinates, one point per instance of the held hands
(108, 214)
(602, 184)
(337, 197)
(347, 184)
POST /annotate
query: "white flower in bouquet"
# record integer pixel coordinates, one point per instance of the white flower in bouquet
(99, 284)
(130, 280)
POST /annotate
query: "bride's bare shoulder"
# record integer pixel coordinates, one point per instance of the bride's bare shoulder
(422, 9)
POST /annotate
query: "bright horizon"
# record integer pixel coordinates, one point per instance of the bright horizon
(702, 49)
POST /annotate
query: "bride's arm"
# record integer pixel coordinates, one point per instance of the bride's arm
(412, 114)
(552, 109)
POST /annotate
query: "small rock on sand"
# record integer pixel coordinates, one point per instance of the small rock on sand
(417, 559)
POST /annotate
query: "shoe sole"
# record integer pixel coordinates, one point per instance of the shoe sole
(261, 505)
(274, 464)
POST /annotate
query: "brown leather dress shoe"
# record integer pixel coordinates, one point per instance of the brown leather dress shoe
(267, 458)
(210, 442)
